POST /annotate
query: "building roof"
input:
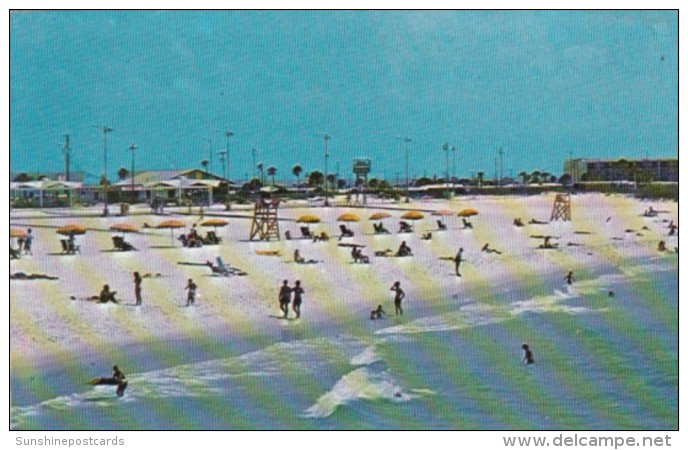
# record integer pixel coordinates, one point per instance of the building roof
(152, 177)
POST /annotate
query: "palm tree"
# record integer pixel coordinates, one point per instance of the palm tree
(272, 170)
(296, 170)
(315, 178)
(204, 164)
(331, 179)
(122, 173)
(525, 177)
(262, 176)
(373, 183)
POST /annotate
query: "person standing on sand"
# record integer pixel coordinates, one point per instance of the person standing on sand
(398, 297)
(528, 358)
(137, 288)
(458, 259)
(191, 294)
(298, 299)
(285, 297)
(28, 241)
(569, 278)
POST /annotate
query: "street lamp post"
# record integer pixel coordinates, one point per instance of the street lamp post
(405, 142)
(105, 129)
(229, 134)
(445, 148)
(326, 137)
(453, 150)
(253, 153)
(210, 152)
(223, 156)
(133, 148)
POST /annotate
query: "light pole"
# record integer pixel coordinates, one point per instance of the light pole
(453, 150)
(229, 134)
(223, 155)
(405, 142)
(253, 153)
(105, 129)
(501, 174)
(326, 137)
(132, 148)
(445, 148)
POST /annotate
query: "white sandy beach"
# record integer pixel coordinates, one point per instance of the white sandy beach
(46, 323)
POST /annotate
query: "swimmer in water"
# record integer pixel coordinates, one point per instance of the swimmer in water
(528, 357)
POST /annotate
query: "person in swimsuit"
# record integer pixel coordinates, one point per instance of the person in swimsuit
(119, 376)
(398, 297)
(569, 278)
(191, 294)
(378, 313)
(298, 299)
(137, 288)
(285, 297)
(458, 259)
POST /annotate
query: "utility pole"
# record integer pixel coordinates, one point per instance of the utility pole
(453, 150)
(253, 153)
(132, 148)
(445, 148)
(105, 129)
(223, 156)
(326, 137)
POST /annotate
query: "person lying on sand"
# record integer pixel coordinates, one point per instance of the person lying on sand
(106, 295)
(378, 313)
(152, 275)
(386, 252)
(486, 248)
(536, 222)
(322, 237)
(31, 276)
(298, 259)
(426, 236)
(518, 222)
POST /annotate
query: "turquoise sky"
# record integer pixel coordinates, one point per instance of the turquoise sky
(542, 85)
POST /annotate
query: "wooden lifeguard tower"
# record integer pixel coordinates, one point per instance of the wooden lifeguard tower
(265, 224)
(562, 208)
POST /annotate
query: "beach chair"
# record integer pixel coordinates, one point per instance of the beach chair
(345, 232)
(14, 254)
(405, 227)
(466, 224)
(224, 270)
(306, 233)
(211, 238)
(441, 226)
(73, 248)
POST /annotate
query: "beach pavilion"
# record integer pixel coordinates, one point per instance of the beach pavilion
(45, 192)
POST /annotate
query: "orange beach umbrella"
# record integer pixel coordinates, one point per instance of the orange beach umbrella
(308, 218)
(348, 217)
(124, 228)
(412, 215)
(171, 224)
(379, 215)
(71, 228)
(468, 212)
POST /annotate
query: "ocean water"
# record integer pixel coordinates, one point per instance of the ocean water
(601, 363)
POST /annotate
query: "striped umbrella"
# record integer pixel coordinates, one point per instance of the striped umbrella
(308, 218)
(71, 228)
(172, 224)
(412, 215)
(348, 217)
(379, 215)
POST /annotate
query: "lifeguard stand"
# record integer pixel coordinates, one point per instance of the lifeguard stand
(562, 208)
(265, 224)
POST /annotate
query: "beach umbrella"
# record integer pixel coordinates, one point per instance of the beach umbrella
(17, 233)
(412, 215)
(348, 217)
(214, 222)
(124, 228)
(308, 218)
(468, 212)
(379, 216)
(443, 212)
(171, 224)
(71, 228)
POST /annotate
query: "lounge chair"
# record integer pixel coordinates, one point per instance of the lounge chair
(14, 254)
(405, 227)
(466, 224)
(68, 248)
(441, 226)
(345, 232)
(306, 233)
(122, 245)
(211, 239)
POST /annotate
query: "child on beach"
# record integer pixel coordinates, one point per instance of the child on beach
(285, 297)
(457, 261)
(528, 358)
(378, 313)
(569, 278)
(191, 294)
(28, 241)
(298, 299)
(137, 288)
(398, 297)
